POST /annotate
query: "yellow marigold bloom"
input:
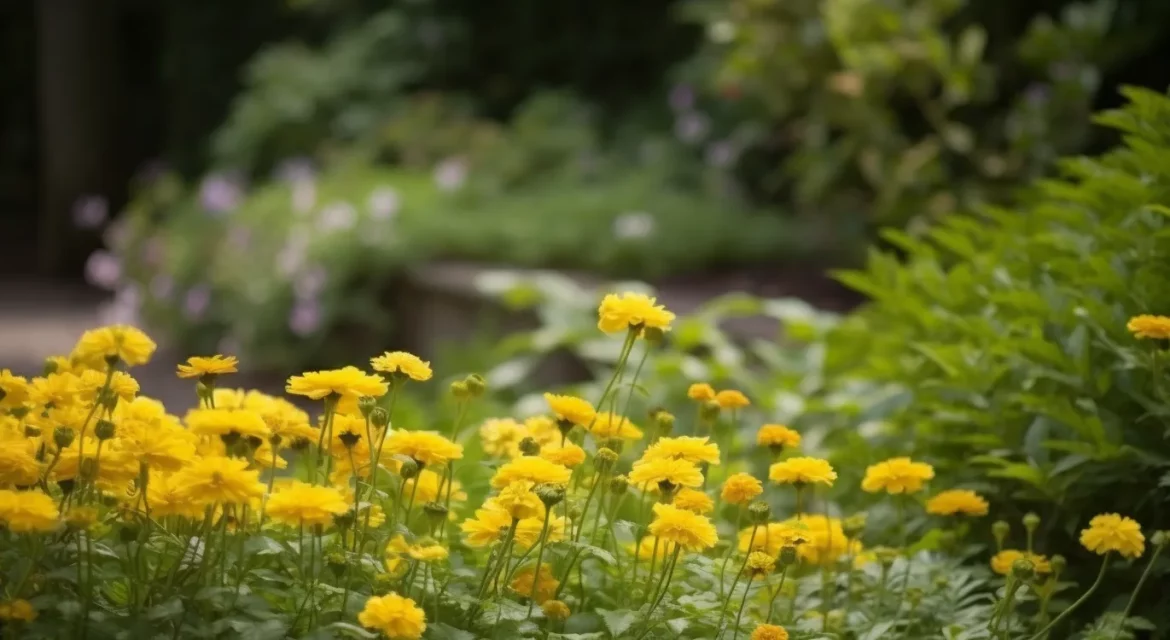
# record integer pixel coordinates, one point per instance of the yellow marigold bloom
(81, 517)
(18, 611)
(348, 382)
(221, 422)
(543, 430)
(219, 480)
(956, 502)
(18, 463)
(825, 539)
(402, 362)
(689, 448)
(519, 501)
(652, 546)
(777, 436)
(897, 475)
(487, 527)
(741, 488)
(528, 531)
(1002, 562)
(802, 471)
(167, 498)
(632, 311)
(650, 473)
(610, 425)
(53, 390)
(426, 447)
(397, 617)
(694, 500)
(429, 486)
(555, 610)
(769, 632)
(570, 409)
(731, 399)
(546, 584)
(162, 445)
(1148, 326)
(117, 342)
(27, 511)
(760, 564)
(701, 392)
(1111, 532)
(91, 382)
(570, 455)
(116, 467)
(532, 469)
(771, 538)
(13, 389)
(300, 503)
(501, 437)
(426, 550)
(690, 531)
(217, 365)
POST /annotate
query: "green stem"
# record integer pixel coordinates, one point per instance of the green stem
(742, 603)
(1141, 583)
(779, 588)
(1064, 614)
(539, 559)
(731, 591)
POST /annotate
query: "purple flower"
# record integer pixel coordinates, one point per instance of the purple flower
(162, 286)
(220, 193)
(691, 127)
(196, 302)
(310, 283)
(450, 174)
(103, 269)
(384, 203)
(339, 216)
(682, 97)
(89, 212)
(305, 317)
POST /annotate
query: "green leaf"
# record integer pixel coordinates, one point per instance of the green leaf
(353, 631)
(618, 622)
(678, 625)
(163, 610)
(443, 631)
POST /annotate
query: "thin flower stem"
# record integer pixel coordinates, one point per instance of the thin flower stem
(539, 559)
(1141, 583)
(742, 603)
(731, 547)
(731, 591)
(665, 586)
(779, 588)
(1064, 614)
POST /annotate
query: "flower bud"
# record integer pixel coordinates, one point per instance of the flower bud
(476, 385)
(653, 335)
(366, 404)
(574, 509)
(555, 610)
(1023, 569)
(604, 459)
(1160, 538)
(709, 411)
(436, 512)
(1031, 521)
(337, 563)
(886, 556)
(1000, 530)
(787, 555)
(460, 391)
(914, 596)
(349, 439)
(529, 446)
(550, 494)
(104, 430)
(409, 468)
(854, 525)
(379, 417)
(665, 422)
(49, 368)
(1058, 564)
(618, 484)
(760, 511)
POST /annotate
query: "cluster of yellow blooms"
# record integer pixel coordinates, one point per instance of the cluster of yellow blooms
(79, 446)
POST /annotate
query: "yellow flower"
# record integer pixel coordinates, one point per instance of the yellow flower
(18, 462)
(221, 422)
(429, 484)
(531, 468)
(957, 501)
(689, 448)
(487, 527)
(741, 488)
(167, 498)
(777, 436)
(570, 455)
(610, 425)
(760, 564)
(217, 365)
(1111, 532)
(825, 539)
(219, 480)
(555, 610)
(701, 392)
(771, 538)
(897, 475)
(425, 447)
(501, 437)
(1002, 562)
(91, 382)
(17, 610)
(298, 503)
(546, 584)
(53, 390)
(402, 362)
(690, 531)
(426, 550)
(519, 501)
(801, 471)
(570, 409)
(528, 531)
(731, 399)
(694, 500)
(543, 430)
(27, 511)
(397, 617)
(162, 445)
(81, 517)
(651, 473)
(769, 632)
(13, 389)
(1147, 326)
(652, 547)
(97, 347)
(345, 382)
(632, 311)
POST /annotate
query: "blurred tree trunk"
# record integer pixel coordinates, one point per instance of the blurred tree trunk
(76, 51)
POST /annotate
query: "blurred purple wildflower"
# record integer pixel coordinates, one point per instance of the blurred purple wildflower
(682, 97)
(220, 193)
(450, 174)
(89, 212)
(103, 269)
(305, 317)
(310, 282)
(384, 203)
(296, 170)
(196, 302)
(691, 127)
(162, 286)
(338, 216)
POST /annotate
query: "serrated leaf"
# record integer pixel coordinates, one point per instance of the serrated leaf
(164, 610)
(619, 621)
